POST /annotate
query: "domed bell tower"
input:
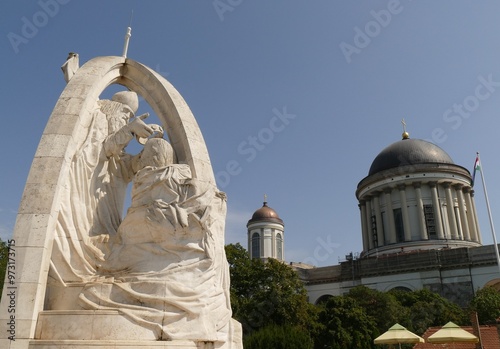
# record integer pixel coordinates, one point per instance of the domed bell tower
(266, 234)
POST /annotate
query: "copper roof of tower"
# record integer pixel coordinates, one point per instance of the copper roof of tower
(265, 214)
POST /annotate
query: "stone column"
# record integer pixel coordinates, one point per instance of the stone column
(404, 212)
(364, 234)
(390, 216)
(478, 231)
(369, 222)
(452, 221)
(471, 217)
(420, 212)
(463, 212)
(460, 234)
(378, 218)
(437, 210)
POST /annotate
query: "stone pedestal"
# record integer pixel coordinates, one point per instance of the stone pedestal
(100, 329)
(116, 344)
(85, 325)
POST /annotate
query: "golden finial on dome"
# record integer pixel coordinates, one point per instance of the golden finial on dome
(406, 135)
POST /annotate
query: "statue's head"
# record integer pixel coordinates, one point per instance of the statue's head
(157, 152)
(128, 98)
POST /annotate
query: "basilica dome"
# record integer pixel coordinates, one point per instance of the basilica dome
(416, 198)
(409, 152)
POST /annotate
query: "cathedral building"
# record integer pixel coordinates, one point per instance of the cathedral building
(419, 230)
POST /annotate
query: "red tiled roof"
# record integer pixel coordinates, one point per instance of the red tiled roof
(490, 339)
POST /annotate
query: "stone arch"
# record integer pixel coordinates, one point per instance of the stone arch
(38, 210)
(173, 111)
(402, 286)
(91, 79)
(323, 299)
(495, 283)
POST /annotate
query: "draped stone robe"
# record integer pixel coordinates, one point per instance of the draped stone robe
(163, 270)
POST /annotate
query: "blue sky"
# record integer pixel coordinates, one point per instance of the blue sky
(301, 95)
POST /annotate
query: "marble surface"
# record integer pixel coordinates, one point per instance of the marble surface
(54, 247)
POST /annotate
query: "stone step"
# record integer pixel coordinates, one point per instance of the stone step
(117, 344)
(87, 325)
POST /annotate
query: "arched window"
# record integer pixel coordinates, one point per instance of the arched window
(279, 247)
(323, 299)
(401, 288)
(255, 245)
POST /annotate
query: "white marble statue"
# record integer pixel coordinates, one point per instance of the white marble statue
(163, 271)
(89, 276)
(163, 266)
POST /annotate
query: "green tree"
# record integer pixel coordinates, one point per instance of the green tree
(4, 255)
(343, 323)
(383, 307)
(265, 293)
(278, 337)
(425, 308)
(486, 303)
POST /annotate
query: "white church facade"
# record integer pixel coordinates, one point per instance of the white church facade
(419, 230)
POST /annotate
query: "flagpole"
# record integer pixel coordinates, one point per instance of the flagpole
(489, 212)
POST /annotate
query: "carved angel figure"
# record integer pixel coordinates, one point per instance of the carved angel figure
(93, 197)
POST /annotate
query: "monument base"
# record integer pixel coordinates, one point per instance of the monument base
(117, 344)
(102, 325)
(104, 329)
